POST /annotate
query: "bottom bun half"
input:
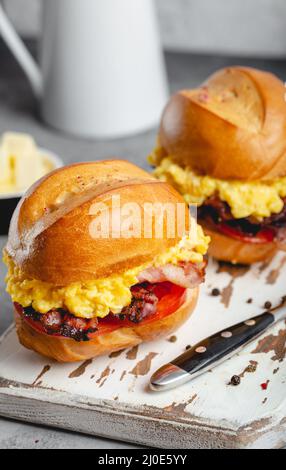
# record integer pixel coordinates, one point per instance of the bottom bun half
(68, 350)
(228, 249)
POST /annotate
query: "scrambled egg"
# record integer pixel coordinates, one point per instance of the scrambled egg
(100, 297)
(258, 199)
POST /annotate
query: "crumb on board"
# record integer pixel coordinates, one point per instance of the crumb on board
(172, 339)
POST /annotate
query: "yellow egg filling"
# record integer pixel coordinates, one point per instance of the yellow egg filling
(99, 297)
(254, 198)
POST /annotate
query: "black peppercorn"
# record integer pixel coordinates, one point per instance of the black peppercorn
(267, 305)
(235, 380)
(215, 292)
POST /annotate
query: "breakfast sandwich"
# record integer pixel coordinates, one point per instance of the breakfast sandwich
(84, 284)
(223, 147)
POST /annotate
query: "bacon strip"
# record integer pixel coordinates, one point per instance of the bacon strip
(216, 211)
(188, 275)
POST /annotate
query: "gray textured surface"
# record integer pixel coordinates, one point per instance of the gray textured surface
(19, 436)
(17, 112)
(241, 27)
(246, 27)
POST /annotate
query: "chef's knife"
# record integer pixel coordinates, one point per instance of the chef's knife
(214, 350)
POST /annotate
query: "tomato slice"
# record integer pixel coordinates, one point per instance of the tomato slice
(264, 235)
(170, 296)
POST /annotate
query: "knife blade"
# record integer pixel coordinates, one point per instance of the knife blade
(214, 350)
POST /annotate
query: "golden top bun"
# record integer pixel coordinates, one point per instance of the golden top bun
(50, 238)
(68, 350)
(232, 127)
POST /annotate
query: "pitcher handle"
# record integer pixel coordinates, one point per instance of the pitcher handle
(21, 53)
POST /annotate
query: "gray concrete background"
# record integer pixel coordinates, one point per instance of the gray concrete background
(18, 112)
(23, 436)
(243, 27)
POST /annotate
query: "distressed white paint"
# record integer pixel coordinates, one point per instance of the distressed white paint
(218, 415)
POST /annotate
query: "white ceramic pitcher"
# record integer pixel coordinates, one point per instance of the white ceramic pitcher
(101, 71)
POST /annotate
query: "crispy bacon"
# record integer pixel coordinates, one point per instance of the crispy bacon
(52, 321)
(60, 322)
(143, 304)
(188, 275)
(215, 208)
(214, 212)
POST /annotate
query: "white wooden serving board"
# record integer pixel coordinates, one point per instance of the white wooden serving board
(109, 396)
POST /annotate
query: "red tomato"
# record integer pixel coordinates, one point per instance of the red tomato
(265, 235)
(171, 297)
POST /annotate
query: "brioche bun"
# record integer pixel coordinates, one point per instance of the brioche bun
(49, 237)
(50, 241)
(232, 127)
(68, 350)
(234, 251)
